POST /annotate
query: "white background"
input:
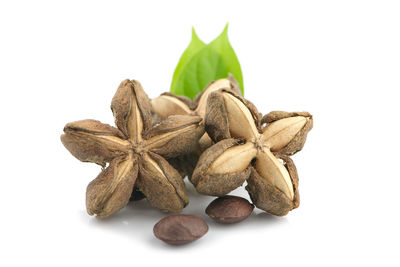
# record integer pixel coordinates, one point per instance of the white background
(340, 60)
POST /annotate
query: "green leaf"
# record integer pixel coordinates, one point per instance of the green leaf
(213, 61)
(195, 46)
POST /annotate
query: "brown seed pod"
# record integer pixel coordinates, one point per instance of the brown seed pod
(276, 119)
(229, 209)
(212, 178)
(180, 229)
(168, 104)
(136, 152)
(269, 198)
(245, 149)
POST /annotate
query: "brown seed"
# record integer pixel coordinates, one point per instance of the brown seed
(180, 229)
(229, 209)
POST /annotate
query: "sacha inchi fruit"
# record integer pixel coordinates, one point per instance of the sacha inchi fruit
(168, 104)
(135, 153)
(249, 147)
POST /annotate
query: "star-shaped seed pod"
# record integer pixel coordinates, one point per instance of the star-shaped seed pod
(245, 150)
(168, 104)
(135, 152)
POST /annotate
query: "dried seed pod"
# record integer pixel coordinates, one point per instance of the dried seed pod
(112, 188)
(229, 209)
(177, 135)
(168, 104)
(131, 109)
(200, 101)
(92, 141)
(161, 184)
(221, 168)
(136, 152)
(246, 151)
(270, 198)
(180, 229)
(293, 140)
(230, 115)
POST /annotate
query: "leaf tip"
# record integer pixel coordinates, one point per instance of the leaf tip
(194, 34)
(224, 33)
(226, 27)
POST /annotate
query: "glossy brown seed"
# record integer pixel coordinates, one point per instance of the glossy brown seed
(229, 209)
(180, 229)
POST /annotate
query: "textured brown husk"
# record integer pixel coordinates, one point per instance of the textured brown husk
(182, 98)
(185, 164)
(135, 151)
(277, 192)
(179, 144)
(167, 193)
(81, 140)
(122, 102)
(269, 198)
(217, 124)
(234, 87)
(299, 140)
(106, 195)
(217, 184)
